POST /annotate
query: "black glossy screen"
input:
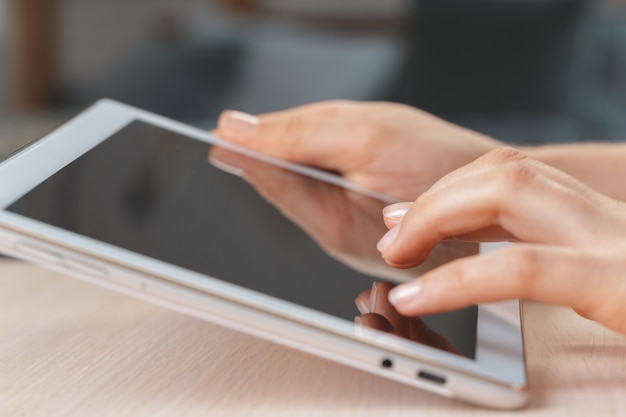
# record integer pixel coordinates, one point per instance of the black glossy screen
(154, 192)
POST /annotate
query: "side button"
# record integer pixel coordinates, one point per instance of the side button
(37, 253)
(85, 268)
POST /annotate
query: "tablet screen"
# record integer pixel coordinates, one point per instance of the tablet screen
(154, 192)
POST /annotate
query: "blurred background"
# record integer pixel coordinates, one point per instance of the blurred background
(524, 71)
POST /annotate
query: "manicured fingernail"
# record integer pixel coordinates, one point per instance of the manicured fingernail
(373, 297)
(388, 238)
(362, 306)
(396, 211)
(239, 121)
(230, 167)
(405, 293)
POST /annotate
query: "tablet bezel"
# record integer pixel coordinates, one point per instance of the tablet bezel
(273, 319)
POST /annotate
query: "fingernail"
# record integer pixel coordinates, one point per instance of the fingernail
(362, 306)
(396, 211)
(373, 297)
(239, 121)
(388, 238)
(405, 293)
(227, 166)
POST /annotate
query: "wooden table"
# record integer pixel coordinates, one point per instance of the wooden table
(68, 348)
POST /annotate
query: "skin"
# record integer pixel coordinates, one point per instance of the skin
(306, 202)
(571, 240)
(377, 313)
(388, 148)
(349, 234)
(564, 212)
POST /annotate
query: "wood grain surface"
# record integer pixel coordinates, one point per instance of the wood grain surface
(68, 348)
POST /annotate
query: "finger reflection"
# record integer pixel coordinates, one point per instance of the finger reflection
(377, 313)
(346, 224)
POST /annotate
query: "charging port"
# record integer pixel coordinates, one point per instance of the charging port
(431, 377)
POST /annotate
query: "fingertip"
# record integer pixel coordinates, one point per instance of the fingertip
(388, 238)
(362, 302)
(396, 211)
(395, 255)
(237, 123)
(406, 297)
(226, 161)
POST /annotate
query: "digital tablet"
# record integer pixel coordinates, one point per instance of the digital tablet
(168, 213)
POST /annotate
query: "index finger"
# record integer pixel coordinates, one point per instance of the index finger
(532, 202)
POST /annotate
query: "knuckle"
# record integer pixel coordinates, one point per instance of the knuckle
(503, 155)
(509, 180)
(511, 170)
(340, 104)
(336, 108)
(516, 176)
(296, 131)
(293, 126)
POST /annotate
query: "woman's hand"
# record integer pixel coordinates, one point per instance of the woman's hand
(571, 250)
(390, 148)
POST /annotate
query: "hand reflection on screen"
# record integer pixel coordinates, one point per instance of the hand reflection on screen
(377, 313)
(346, 224)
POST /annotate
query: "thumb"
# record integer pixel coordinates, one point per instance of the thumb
(238, 127)
(310, 134)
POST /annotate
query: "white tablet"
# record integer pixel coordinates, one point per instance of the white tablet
(150, 207)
